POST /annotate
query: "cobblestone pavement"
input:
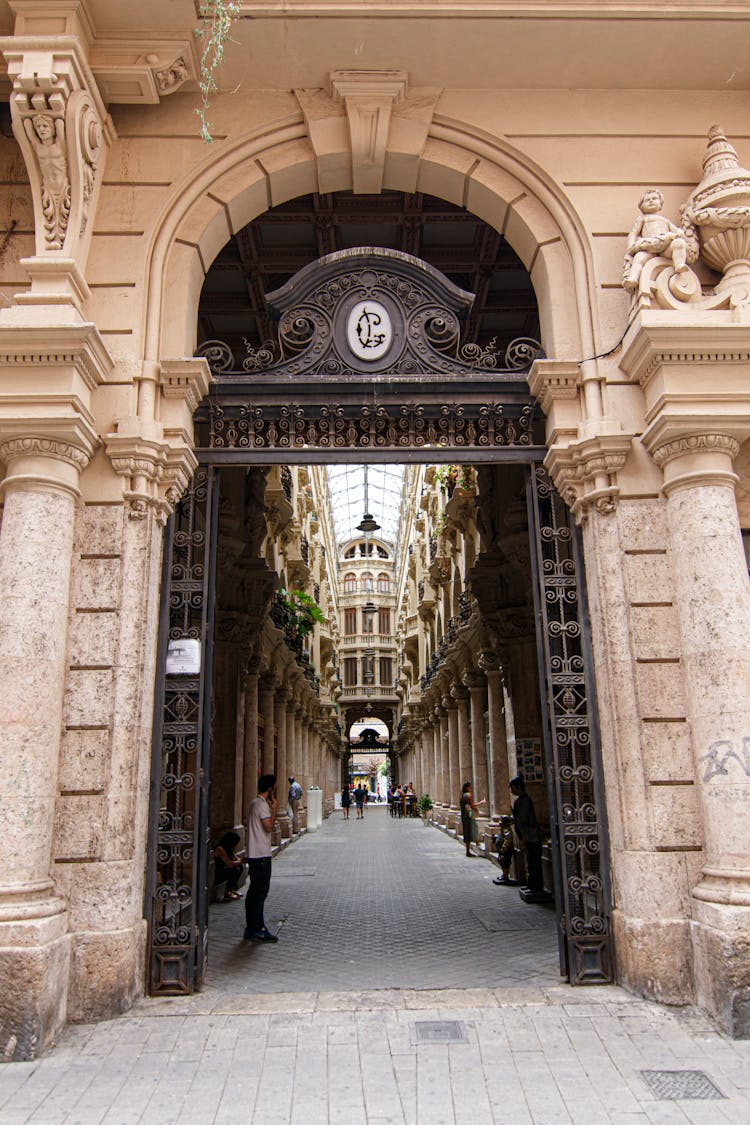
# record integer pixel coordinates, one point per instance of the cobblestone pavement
(538, 1053)
(377, 902)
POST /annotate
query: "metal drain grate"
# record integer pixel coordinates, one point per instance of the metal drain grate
(675, 1084)
(439, 1031)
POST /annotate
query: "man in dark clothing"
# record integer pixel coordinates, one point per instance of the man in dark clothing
(529, 834)
(359, 797)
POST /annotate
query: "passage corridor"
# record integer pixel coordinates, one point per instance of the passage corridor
(384, 903)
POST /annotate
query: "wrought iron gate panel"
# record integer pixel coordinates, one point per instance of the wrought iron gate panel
(571, 734)
(177, 909)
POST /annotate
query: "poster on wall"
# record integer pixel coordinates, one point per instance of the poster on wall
(529, 760)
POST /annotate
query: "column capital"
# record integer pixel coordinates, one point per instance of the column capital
(459, 693)
(490, 662)
(473, 680)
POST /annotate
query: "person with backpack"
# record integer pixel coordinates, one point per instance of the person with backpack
(295, 796)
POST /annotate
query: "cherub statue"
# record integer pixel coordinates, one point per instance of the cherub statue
(653, 235)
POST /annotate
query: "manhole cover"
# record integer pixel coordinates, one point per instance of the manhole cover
(675, 1084)
(439, 1031)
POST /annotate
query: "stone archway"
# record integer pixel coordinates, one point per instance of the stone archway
(444, 158)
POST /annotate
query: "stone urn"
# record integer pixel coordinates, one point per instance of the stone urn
(719, 210)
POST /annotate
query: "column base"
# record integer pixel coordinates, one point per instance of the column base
(34, 974)
(721, 953)
(106, 973)
(654, 957)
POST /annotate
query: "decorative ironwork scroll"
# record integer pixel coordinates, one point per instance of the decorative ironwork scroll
(369, 312)
(178, 862)
(335, 426)
(572, 736)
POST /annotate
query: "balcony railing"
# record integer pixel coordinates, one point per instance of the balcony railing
(368, 639)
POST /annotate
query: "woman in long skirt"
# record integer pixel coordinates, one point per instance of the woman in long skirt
(468, 817)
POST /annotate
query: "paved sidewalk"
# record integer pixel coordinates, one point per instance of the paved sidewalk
(247, 1049)
(383, 902)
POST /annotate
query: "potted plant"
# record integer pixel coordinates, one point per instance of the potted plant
(424, 805)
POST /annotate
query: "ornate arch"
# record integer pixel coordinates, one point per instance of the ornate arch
(452, 160)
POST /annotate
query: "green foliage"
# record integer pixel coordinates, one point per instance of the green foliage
(217, 16)
(304, 611)
(446, 476)
(424, 804)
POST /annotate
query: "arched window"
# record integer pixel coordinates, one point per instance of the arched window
(367, 582)
(350, 583)
(384, 584)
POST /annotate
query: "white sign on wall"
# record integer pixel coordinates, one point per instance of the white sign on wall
(184, 657)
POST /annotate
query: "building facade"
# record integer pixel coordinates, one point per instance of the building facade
(547, 125)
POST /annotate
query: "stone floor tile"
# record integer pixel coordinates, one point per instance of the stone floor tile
(537, 1051)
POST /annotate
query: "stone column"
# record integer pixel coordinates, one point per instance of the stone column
(303, 776)
(250, 765)
(461, 696)
(475, 682)
(280, 698)
(36, 547)
(292, 740)
(713, 602)
(454, 772)
(436, 758)
(449, 797)
(499, 772)
(267, 708)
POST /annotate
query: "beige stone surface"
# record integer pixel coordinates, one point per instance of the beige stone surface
(558, 171)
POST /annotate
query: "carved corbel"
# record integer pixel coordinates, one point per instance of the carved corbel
(585, 472)
(369, 98)
(140, 460)
(63, 130)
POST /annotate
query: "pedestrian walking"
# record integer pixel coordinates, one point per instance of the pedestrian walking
(260, 822)
(295, 796)
(346, 800)
(359, 797)
(468, 817)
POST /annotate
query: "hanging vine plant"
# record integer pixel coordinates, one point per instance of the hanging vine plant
(214, 32)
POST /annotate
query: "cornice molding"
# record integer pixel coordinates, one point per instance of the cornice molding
(660, 338)
(77, 345)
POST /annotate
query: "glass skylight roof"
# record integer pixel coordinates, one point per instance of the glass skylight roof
(347, 487)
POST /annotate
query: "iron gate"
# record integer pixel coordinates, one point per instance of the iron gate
(177, 891)
(571, 736)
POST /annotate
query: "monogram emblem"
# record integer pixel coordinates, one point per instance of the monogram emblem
(369, 331)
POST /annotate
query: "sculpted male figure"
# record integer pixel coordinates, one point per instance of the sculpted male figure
(47, 136)
(653, 234)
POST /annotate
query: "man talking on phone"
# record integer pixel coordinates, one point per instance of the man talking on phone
(260, 822)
